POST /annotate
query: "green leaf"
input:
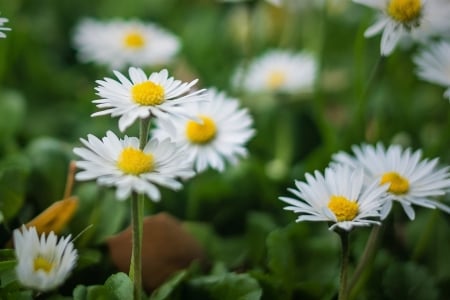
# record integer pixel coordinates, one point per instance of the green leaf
(94, 292)
(12, 114)
(7, 254)
(165, 291)
(7, 265)
(120, 286)
(13, 181)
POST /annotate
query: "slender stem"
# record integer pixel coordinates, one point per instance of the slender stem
(343, 291)
(69, 181)
(143, 132)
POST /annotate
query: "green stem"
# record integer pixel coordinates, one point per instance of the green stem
(343, 291)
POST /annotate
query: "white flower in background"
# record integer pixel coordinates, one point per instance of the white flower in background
(410, 180)
(120, 163)
(339, 196)
(218, 138)
(118, 44)
(43, 263)
(141, 96)
(278, 71)
(433, 65)
(2, 23)
(400, 18)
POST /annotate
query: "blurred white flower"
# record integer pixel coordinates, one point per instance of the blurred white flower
(400, 18)
(218, 138)
(120, 163)
(118, 44)
(410, 180)
(43, 263)
(433, 65)
(2, 23)
(141, 96)
(339, 196)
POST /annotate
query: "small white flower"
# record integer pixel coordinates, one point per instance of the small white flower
(433, 65)
(2, 23)
(400, 18)
(221, 135)
(339, 196)
(141, 96)
(278, 71)
(44, 263)
(120, 163)
(410, 180)
(119, 44)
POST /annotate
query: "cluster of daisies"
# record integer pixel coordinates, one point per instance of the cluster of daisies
(423, 21)
(359, 189)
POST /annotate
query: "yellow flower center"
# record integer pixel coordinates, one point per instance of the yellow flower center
(276, 79)
(134, 40)
(134, 161)
(201, 133)
(147, 93)
(404, 11)
(343, 209)
(41, 263)
(398, 184)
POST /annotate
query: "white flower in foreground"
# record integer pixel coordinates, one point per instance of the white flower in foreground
(119, 44)
(2, 23)
(410, 180)
(400, 18)
(120, 163)
(219, 137)
(339, 196)
(141, 96)
(278, 71)
(43, 263)
(433, 65)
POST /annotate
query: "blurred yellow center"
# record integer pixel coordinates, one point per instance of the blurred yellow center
(276, 79)
(147, 93)
(343, 209)
(201, 133)
(134, 40)
(404, 10)
(134, 161)
(41, 263)
(398, 184)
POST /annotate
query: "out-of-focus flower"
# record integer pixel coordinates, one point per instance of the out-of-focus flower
(141, 96)
(278, 71)
(433, 65)
(339, 196)
(218, 138)
(118, 44)
(120, 163)
(400, 18)
(2, 28)
(44, 263)
(273, 2)
(410, 180)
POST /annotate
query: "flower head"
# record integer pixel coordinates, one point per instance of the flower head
(141, 96)
(120, 163)
(218, 136)
(2, 23)
(339, 196)
(119, 44)
(44, 263)
(410, 179)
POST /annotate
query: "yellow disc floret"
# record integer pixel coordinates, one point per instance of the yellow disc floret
(134, 40)
(343, 209)
(147, 93)
(276, 79)
(201, 133)
(41, 263)
(134, 161)
(398, 184)
(404, 11)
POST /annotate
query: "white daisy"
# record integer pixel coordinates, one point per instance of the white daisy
(120, 163)
(119, 44)
(43, 263)
(278, 71)
(2, 23)
(141, 96)
(410, 180)
(433, 65)
(399, 18)
(339, 196)
(219, 138)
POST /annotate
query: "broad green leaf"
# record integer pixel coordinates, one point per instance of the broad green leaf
(94, 292)
(7, 265)
(165, 291)
(120, 285)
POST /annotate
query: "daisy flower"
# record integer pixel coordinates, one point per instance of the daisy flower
(120, 163)
(400, 18)
(218, 138)
(118, 44)
(339, 196)
(410, 179)
(44, 263)
(141, 96)
(433, 65)
(2, 23)
(278, 71)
